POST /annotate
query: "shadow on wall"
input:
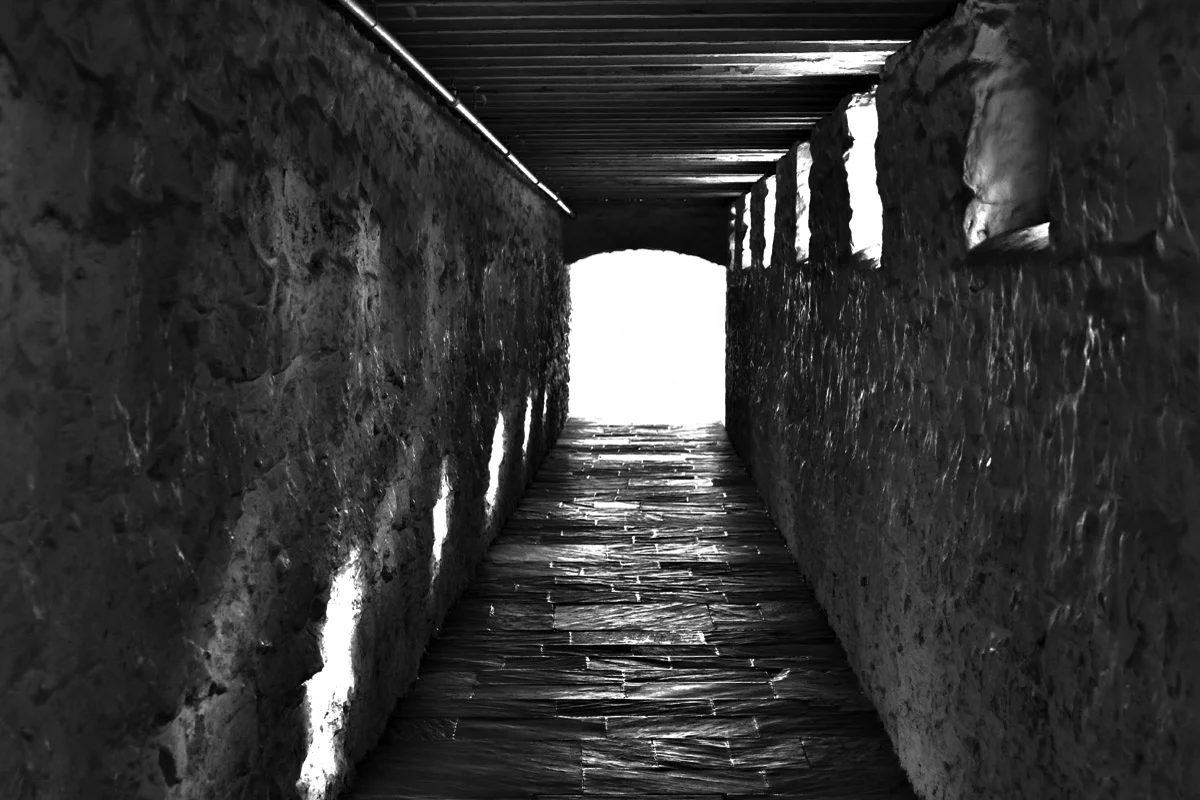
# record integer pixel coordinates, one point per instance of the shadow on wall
(647, 338)
(331, 693)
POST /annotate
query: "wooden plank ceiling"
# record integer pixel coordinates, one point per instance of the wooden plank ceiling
(654, 100)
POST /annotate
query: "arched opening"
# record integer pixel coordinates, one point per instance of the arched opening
(647, 338)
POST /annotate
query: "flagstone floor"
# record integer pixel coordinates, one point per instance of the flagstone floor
(639, 629)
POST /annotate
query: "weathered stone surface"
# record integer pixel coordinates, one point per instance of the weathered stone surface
(1126, 157)
(1007, 162)
(990, 481)
(256, 293)
(926, 102)
(989, 475)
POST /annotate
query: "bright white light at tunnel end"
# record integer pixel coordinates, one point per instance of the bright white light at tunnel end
(647, 339)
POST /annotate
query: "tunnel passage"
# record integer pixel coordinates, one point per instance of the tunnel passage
(639, 629)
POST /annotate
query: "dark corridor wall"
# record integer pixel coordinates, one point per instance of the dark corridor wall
(257, 295)
(988, 467)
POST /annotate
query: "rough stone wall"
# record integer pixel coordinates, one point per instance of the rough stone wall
(256, 293)
(990, 474)
(1007, 163)
(1129, 71)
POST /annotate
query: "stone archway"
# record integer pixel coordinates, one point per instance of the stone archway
(693, 229)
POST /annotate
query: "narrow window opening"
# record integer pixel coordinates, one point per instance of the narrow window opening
(769, 222)
(866, 208)
(748, 222)
(803, 232)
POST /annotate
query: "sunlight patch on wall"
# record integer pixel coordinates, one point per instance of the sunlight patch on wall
(647, 338)
(495, 463)
(328, 693)
(866, 219)
(528, 427)
(441, 523)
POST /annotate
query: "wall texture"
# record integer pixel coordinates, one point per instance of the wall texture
(990, 474)
(256, 295)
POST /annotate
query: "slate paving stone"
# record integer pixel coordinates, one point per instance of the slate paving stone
(682, 727)
(644, 636)
(638, 630)
(634, 782)
(408, 730)
(624, 707)
(538, 728)
(547, 692)
(438, 685)
(711, 690)
(688, 753)
(635, 616)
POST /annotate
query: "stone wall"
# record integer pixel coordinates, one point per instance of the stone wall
(262, 305)
(989, 472)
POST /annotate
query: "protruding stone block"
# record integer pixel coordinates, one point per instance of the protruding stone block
(1007, 158)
